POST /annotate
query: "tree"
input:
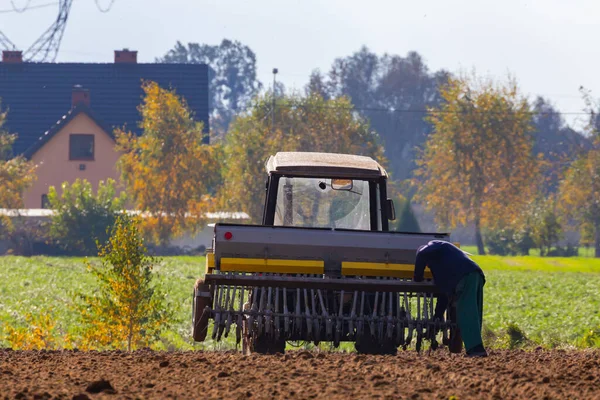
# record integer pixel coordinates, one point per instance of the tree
(406, 219)
(233, 81)
(129, 310)
(16, 173)
(478, 164)
(580, 193)
(580, 188)
(82, 218)
(168, 172)
(16, 176)
(392, 92)
(317, 84)
(546, 229)
(308, 123)
(559, 144)
(586, 233)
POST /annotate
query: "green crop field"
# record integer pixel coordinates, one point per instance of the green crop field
(553, 301)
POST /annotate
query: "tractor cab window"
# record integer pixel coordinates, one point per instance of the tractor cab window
(323, 203)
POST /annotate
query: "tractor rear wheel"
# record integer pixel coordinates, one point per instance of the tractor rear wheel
(201, 310)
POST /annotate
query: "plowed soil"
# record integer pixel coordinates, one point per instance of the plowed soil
(206, 375)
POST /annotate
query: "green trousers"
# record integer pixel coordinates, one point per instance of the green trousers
(469, 309)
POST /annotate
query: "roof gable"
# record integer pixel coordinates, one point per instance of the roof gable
(36, 94)
(64, 121)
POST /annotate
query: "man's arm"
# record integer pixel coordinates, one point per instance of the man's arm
(421, 262)
(423, 256)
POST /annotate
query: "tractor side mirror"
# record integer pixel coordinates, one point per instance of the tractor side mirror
(391, 210)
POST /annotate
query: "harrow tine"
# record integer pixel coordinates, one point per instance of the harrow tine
(253, 310)
(326, 315)
(316, 319)
(380, 318)
(374, 316)
(298, 324)
(286, 318)
(277, 327)
(353, 314)
(240, 319)
(401, 318)
(409, 322)
(339, 323)
(361, 321)
(268, 313)
(217, 308)
(308, 316)
(390, 327)
(261, 309)
(230, 311)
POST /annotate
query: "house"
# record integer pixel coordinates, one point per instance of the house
(78, 145)
(65, 113)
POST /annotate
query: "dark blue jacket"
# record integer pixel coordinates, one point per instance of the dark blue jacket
(448, 264)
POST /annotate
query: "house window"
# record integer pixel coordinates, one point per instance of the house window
(81, 147)
(45, 202)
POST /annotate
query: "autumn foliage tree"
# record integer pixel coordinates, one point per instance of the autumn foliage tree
(299, 123)
(128, 311)
(168, 172)
(16, 173)
(580, 193)
(478, 166)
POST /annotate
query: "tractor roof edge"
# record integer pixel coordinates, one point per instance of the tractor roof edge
(316, 164)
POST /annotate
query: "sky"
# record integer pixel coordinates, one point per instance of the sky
(550, 46)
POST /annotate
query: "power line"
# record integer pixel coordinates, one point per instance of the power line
(420, 111)
(27, 7)
(104, 10)
(19, 10)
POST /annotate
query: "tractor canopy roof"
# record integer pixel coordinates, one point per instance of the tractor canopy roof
(328, 165)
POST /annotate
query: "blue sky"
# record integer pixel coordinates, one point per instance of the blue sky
(550, 45)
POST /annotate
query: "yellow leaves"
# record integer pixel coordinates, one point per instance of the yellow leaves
(40, 332)
(128, 311)
(580, 188)
(478, 162)
(168, 172)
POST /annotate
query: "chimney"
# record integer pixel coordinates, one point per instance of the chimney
(12, 56)
(125, 56)
(80, 95)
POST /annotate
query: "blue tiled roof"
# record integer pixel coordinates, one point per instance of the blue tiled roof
(37, 95)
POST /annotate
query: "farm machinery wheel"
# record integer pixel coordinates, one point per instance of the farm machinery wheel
(201, 310)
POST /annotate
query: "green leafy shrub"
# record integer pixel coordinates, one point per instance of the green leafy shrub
(568, 251)
(509, 242)
(83, 218)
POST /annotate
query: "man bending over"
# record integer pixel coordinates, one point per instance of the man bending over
(462, 280)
